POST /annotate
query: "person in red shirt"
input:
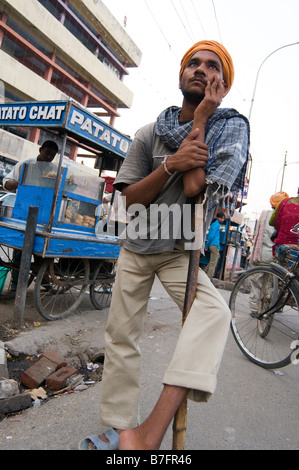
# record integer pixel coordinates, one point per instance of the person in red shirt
(283, 219)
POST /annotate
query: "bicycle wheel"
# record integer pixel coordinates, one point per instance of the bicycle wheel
(60, 286)
(6, 261)
(101, 289)
(10, 259)
(265, 318)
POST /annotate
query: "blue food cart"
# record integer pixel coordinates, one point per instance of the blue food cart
(75, 247)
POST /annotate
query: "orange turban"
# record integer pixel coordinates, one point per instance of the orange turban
(214, 46)
(276, 198)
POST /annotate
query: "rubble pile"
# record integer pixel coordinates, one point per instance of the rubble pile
(43, 377)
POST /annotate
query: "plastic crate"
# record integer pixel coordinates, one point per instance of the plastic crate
(3, 276)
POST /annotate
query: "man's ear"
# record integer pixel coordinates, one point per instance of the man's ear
(225, 90)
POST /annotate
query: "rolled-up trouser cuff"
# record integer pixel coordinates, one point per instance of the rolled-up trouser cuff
(179, 378)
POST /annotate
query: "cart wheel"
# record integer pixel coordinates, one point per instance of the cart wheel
(101, 289)
(60, 286)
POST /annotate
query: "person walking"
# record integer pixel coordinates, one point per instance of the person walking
(213, 244)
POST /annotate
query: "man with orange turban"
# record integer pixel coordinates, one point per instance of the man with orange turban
(283, 219)
(190, 150)
(217, 48)
(276, 198)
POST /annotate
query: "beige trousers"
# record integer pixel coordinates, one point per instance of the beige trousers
(214, 256)
(199, 347)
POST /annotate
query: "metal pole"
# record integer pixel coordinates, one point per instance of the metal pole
(259, 69)
(57, 184)
(25, 264)
(283, 170)
(231, 277)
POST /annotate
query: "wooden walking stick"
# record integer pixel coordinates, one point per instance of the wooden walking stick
(214, 92)
(180, 419)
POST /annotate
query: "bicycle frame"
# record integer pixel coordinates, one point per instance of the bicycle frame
(277, 305)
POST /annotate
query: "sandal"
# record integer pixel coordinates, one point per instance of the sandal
(98, 444)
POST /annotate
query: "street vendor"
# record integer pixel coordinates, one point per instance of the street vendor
(47, 153)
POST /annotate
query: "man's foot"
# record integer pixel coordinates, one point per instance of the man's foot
(140, 438)
(132, 439)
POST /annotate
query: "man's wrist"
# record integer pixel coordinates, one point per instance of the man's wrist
(165, 164)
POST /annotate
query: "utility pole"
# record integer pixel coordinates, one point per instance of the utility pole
(283, 170)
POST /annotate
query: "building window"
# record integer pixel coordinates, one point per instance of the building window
(83, 31)
(26, 49)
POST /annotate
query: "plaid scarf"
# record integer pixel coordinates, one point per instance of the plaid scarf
(223, 175)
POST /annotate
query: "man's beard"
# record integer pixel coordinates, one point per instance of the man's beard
(192, 97)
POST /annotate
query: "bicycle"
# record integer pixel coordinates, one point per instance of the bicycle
(265, 311)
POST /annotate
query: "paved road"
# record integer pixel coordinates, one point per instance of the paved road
(252, 408)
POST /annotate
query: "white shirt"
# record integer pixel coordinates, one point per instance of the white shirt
(15, 173)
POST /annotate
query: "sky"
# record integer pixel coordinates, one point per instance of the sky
(261, 36)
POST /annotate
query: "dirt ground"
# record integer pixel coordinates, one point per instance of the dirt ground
(31, 317)
(7, 305)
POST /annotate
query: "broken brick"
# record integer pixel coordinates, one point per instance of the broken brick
(56, 357)
(58, 379)
(16, 403)
(37, 373)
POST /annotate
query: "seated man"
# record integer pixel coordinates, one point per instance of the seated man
(47, 153)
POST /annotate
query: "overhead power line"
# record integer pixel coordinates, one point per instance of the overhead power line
(193, 39)
(198, 17)
(217, 21)
(182, 21)
(160, 29)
